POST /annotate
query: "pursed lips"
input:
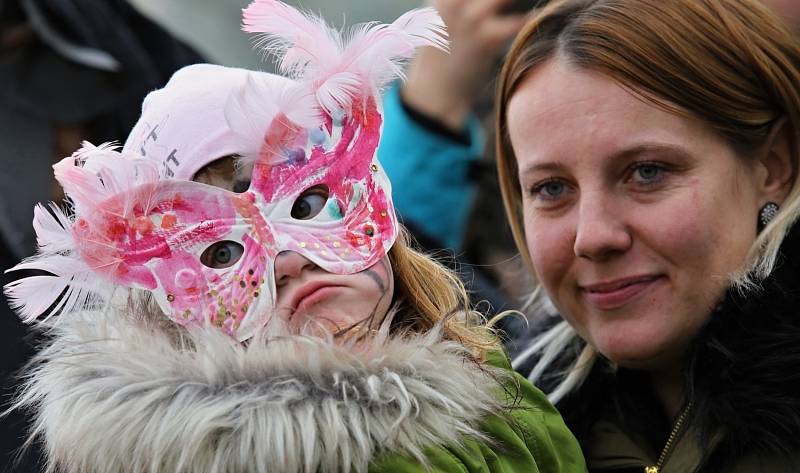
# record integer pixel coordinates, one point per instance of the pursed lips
(306, 291)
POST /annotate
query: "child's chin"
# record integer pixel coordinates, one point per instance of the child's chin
(319, 322)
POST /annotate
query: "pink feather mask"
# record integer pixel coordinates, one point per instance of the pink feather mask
(207, 254)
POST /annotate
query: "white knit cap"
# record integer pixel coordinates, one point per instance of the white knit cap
(183, 125)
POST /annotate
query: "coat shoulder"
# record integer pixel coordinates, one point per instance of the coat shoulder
(529, 435)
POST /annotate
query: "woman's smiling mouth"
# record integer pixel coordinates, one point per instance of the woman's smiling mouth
(613, 294)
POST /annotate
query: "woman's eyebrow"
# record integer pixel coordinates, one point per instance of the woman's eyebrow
(625, 153)
(652, 147)
(545, 166)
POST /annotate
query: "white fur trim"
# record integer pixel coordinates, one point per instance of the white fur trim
(116, 395)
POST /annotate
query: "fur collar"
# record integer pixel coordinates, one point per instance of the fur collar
(744, 374)
(116, 395)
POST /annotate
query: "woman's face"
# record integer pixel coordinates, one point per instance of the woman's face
(309, 295)
(634, 217)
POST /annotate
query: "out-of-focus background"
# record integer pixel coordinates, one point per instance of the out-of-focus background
(212, 26)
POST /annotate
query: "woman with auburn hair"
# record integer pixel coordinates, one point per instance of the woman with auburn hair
(648, 156)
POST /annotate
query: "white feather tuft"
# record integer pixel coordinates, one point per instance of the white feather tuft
(30, 297)
(338, 91)
(99, 181)
(95, 174)
(83, 187)
(70, 286)
(53, 229)
(248, 114)
(297, 102)
(380, 51)
(424, 27)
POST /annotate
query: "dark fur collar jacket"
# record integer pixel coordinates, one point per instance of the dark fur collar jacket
(742, 376)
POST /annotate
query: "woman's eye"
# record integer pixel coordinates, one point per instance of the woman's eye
(222, 254)
(549, 190)
(310, 203)
(648, 173)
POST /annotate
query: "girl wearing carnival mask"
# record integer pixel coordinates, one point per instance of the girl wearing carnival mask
(302, 333)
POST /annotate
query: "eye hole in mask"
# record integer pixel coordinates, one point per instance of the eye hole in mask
(240, 186)
(310, 203)
(222, 254)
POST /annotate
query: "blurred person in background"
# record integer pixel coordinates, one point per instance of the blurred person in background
(434, 148)
(648, 154)
(69, 70)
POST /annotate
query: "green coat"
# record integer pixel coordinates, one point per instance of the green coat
(532, 438)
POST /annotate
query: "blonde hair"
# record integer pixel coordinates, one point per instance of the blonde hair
(426, 292)
(731, 64)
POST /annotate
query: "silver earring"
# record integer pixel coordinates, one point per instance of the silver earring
(766, 214)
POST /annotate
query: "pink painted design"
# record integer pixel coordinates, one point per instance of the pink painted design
(342, 245)
(181, 277)
(172, 217)
(235, 292)
(247, 208)
(252, 278)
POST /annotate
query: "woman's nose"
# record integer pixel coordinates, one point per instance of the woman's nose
(290, 265)
(601, 230)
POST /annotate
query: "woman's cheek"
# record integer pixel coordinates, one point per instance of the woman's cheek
(551, 251)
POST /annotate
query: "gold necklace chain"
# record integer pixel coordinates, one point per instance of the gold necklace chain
(672, 437)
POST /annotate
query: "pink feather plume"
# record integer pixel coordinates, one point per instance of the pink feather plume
(336, 65)
(94, 174)
(301, 41)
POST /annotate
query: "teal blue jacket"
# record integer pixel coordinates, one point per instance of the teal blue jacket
(430, 185)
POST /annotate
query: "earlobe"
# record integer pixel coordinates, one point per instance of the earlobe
(780, 162)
